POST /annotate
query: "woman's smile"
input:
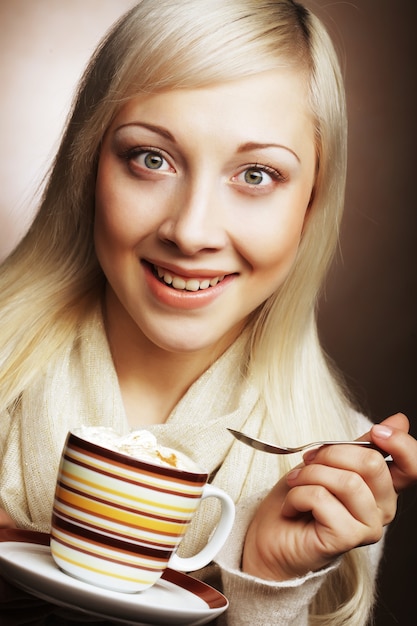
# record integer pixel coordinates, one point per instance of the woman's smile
(182, 291)
(201, 199)
(185, 283)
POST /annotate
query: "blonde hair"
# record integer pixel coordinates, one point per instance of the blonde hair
(52, 280)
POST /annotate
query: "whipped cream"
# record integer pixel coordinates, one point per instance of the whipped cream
(139, 444)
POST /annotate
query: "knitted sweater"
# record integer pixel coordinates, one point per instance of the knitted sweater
(80, 387)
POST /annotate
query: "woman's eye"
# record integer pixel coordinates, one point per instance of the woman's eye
(256, 176)
(151, 160)
(142, 159)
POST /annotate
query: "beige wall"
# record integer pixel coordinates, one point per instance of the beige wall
(368, 317)
(44, 45)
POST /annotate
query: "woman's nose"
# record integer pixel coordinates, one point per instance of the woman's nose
(194, 222)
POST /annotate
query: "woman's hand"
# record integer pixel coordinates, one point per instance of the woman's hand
(341, 498)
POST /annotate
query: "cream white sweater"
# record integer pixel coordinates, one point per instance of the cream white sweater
(81, 387)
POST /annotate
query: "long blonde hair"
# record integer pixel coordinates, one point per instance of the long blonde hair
(50, 283)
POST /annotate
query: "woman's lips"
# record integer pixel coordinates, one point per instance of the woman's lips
(177, 293)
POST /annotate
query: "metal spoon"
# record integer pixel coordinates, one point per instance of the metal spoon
(269, 447)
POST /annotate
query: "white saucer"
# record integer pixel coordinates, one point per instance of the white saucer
(175, 599)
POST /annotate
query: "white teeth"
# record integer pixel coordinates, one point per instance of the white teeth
(214, 281)
(164, 275)
(178, 283)
(193, 284)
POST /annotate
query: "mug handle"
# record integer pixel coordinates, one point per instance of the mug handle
(218, 538)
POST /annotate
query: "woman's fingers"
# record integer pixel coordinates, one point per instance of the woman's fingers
(352, 490)
(392, 436)
(362, 464)
(333, 529)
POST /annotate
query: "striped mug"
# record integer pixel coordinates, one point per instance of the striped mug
(117, 521)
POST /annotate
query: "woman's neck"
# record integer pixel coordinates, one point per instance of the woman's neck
(151, 379)
(151, 384)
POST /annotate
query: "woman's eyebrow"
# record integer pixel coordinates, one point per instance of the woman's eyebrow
(253, 145)
(245, 147)
(159, 130)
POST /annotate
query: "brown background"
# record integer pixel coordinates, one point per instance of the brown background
(369, 310)
(368, 316)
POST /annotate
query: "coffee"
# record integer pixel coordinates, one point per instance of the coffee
(140, 444)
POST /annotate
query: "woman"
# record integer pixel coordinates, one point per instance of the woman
(171, 276)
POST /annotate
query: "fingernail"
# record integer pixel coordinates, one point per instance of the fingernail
(310, 455)
(293, 474)
(380, 430)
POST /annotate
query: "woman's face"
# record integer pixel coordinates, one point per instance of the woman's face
(201, 199)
